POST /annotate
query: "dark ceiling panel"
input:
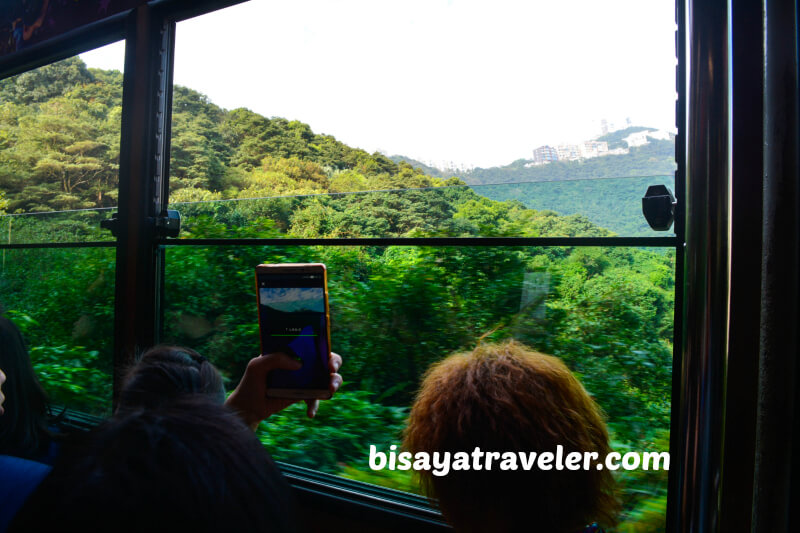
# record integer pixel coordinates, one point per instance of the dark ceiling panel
(24, 24)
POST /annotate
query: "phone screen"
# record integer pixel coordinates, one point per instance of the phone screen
(293, 321)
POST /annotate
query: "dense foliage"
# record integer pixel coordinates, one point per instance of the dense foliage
(606, 311)
(612, 203)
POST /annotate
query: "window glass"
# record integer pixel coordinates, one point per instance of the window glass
(62, 300)
(74, 226)
(446, 94)
(59, 138)
(569, 208)
(431, 119)
(59, 161)
(607, 312)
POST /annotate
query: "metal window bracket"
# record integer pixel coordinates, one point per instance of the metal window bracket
(165, 226)
(658, 207)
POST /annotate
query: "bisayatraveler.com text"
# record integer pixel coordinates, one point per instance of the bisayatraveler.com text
(441, 463)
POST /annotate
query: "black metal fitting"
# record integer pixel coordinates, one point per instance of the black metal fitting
(658, 206)
(170, 225)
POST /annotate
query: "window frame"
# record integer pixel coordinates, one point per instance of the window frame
(149, 32)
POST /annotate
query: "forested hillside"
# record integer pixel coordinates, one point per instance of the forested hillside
(657, 158)
(60, 147)
(606, 190)
(395, 310)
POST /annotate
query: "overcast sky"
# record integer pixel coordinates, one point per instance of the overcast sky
(473, 83)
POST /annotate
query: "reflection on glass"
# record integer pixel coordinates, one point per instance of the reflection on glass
(607, 312)
(63, 302)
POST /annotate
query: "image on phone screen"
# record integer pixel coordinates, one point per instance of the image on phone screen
(293, 321)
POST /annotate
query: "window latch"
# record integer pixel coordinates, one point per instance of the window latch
(658, 207)
(169, 225)
(111, 224)
(166, 226)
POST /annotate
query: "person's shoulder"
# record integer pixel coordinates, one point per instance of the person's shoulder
(17, 467)
(50, 454)
(20, 479)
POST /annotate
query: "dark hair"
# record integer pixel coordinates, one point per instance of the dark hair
(23, 426)
(508, 398)
(166, 373)
(190, 465)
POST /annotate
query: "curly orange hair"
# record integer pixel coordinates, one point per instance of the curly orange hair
(505, 397)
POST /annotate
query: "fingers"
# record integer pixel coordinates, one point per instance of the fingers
(335, 363)
(311, 408)
(336, 378)
(336, 382)
(262, 364)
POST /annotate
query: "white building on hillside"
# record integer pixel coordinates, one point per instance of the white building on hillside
(568, 152)
(545, 154)
(591, 149)
(640, 137)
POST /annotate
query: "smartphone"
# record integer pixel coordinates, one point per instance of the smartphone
(294, 318)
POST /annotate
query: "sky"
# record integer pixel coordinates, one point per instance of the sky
(450, 82)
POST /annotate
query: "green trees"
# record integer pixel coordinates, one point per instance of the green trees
(44, 83)
(60, 141)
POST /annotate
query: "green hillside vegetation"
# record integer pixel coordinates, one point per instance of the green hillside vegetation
(395, 310)
(613, 203)
(657, 158)
(606, 190)
(427, 169)
(615, 139)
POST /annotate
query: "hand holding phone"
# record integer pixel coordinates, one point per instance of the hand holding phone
(250, 400)
(294, 320)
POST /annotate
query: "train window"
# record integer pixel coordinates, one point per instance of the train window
(465, 170)
(59, 157)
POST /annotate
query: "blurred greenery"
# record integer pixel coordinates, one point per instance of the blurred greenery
(607, 312)
(340, 435)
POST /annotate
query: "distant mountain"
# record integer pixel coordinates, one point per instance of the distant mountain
(615, 139)
(653, 159)
(657, 158)
(430, 171)
(607, 190)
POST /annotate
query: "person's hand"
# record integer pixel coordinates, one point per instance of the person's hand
(2, 398)
(250, 400)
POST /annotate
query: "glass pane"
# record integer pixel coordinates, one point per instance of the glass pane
(63, 302)
(607, 312)
(55, 227)
(596, 208)
(59, 162)
(59, 137)
(551, 105)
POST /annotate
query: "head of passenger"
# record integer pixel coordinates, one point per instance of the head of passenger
(24, 420)
(189, 465)
(507, 398)
(166, 373)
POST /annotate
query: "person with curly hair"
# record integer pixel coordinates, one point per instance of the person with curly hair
(508, 398)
